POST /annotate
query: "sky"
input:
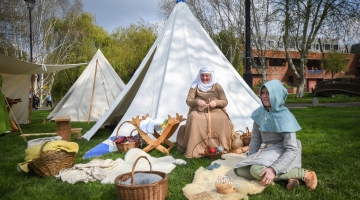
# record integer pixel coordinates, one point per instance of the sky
(111, 14)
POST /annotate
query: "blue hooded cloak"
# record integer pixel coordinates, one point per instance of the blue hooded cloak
(278, 118)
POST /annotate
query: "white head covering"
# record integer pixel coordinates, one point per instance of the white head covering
(205, 87)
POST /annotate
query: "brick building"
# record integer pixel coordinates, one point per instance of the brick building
(278, 65)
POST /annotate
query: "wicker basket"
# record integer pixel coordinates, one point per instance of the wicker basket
(124, 147)
(153, 191)
(207, 153)
(225, 190)
(51, 163)
(246, 137)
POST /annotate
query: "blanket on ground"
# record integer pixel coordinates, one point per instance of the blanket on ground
(96, 169)
(108, 170)
(204, 180)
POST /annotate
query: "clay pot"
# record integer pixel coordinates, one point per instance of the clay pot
(237, 142)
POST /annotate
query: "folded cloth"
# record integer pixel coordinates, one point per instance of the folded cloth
(96, 169)
(34, 151)
(142, 179)
(40, 141)
(149, 124)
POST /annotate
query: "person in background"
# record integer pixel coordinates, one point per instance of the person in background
(275, 153)
(4, 115)
(205, 93)
(49, 100)
(36, 101)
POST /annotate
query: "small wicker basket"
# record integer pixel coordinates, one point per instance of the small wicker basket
(153, 191)
(51, 163)
(207, 154)
(124, 147)
(246, 137)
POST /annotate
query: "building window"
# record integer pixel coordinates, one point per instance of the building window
(296, 62)
(336, 47)
(313, 64)
(327, 46)
(291, 79)
(316, 46)
(271, 43)
(292, 44)
(280, 44)
(299, 44)
(276, 62)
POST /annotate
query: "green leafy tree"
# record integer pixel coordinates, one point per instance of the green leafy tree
(80, 45)
(232, 50)
(303, 21)
(128, 46)
(334, 62)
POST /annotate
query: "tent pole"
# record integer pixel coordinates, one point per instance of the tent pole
(92, 95)
(31, 99)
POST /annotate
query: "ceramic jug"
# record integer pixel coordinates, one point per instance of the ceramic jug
(237, 142)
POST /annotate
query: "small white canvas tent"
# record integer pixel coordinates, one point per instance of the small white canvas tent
(17, 81)
(161, 83)
(93, 92)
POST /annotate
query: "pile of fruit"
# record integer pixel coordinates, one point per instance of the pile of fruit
(125, 139)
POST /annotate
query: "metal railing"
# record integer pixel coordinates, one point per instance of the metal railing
(339, 80)
(315, 71)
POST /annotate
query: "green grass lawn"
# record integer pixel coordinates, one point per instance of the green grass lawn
(330, 139)
(339, 98)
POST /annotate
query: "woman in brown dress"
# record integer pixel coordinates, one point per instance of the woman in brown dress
(205, 93)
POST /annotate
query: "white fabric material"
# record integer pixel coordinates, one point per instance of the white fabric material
(107, 170)
(39, 141)
(149, 124)
(161, 83)
(17, 79)
(111, 144)
(96, 169)
(17, 87)
(205, 87)
(142, 179)
(10, 65)
(88, 94)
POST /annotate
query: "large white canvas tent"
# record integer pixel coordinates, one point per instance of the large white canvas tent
(17, 81)
(93, 92)
(161, 83)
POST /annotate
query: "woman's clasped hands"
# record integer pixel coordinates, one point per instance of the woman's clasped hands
(202, 104)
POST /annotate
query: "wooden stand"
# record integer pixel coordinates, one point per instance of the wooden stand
(173, 123)
(63, 127)
(11, 102)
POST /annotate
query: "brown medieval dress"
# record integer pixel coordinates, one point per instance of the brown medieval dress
(191, 136)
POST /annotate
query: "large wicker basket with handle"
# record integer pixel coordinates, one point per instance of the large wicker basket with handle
(52, 162)
(153, 191)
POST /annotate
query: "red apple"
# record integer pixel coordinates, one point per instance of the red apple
(212, 150)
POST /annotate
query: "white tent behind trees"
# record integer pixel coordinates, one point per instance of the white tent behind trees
(17, 82)
(92, 94)
(161, 83)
